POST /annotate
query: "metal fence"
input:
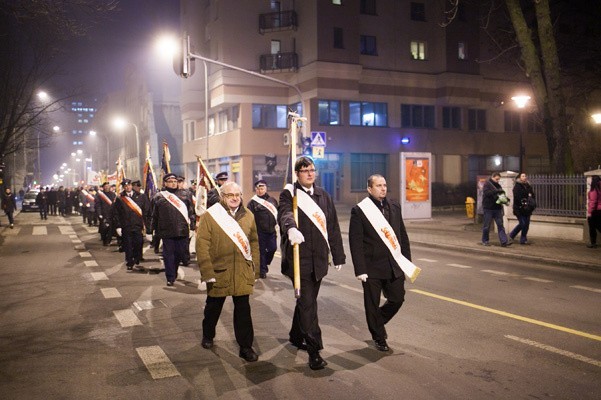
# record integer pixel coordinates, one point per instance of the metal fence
(560, 195)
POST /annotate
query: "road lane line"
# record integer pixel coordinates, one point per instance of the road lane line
(492, 271)
(110, 293)
(90, 263)
(509, 315)
(459, 266)
(528, 278)
(427, 260)
(99, 276)
(157, 362)
(552, 349)
(590, 289)
(127, 318)
(39, 230)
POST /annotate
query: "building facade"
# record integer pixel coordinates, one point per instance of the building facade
(379, 77)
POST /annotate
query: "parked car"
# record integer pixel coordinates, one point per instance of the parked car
(29, 201)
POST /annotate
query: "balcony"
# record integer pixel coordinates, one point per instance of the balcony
(280, 62)
(277, 21)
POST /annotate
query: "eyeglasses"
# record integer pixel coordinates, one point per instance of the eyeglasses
(232, 195)
(307, 171)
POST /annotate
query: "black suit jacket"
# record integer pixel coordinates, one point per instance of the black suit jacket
(370, 254)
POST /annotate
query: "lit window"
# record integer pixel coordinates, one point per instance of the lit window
(368, 114)
(337, 2)
(329, 112)
(462, 51)
(270, 116)
(418, 50)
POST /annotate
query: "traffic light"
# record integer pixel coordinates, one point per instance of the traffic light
(183, 64)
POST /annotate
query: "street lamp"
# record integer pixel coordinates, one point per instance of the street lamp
(596, 118)
(120, 123)
(521, 101)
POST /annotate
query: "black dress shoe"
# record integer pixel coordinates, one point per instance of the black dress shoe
(316, 362)
(206, 343)
(299, 344)
(249, 354)
(382, 345)
(130, 266)
(262, 275)
(169, 283)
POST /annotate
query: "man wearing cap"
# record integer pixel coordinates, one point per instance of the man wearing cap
(131, 215)
(172, 219)
(265, 209)
(213, 194)
(104, 206)
(185, 194)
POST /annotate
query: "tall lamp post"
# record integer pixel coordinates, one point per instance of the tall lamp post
(120, 123)
(521, 101)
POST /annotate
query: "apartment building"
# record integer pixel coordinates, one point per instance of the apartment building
(379, 77)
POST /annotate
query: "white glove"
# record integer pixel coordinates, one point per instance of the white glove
(191, 233)
(295, 236)
(338, 267)
(118, 230)
(80, 204)
(362, 277)
(149, 238)
(100, 216)
(212, 280)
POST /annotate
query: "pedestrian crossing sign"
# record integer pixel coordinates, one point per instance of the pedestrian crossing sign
(318, 139)
(318, 151)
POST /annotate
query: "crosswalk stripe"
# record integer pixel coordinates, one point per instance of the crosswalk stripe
(157, 362)
(110, 293)
(99, 276)
(75, 241)
(127, 318)
(39, 230)
(85, 254)
(90, 263)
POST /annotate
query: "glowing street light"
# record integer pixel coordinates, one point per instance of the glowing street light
(596, 118)
(521, 100)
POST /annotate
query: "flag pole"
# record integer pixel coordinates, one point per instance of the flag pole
(295, 248)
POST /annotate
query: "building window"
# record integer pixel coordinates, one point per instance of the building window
(338, 38)
(337, 2)
(270, 116)
(329, 112)
(512, 121)
(368, 7)
(462, 51)
(363, 165)
(476, 120)
(368, 114)
(417, 116)
(418, 50)
(368, 45)
(418, 11)
(451, 117)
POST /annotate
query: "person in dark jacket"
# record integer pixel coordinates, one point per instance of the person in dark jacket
(104, 207)
(492, 203)
(213, 194)
(42, 201)
(309, 234)
(374, 263)
(522, 209)
(265, 209)
(90, 206)
(61, 200)
(52, 200)
(172, 222)
(131, 216)
(9, 205)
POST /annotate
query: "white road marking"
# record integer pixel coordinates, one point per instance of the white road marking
(587, 288)
(127, 318)
(528, 278)
(40, 230)
(157, 362)
(427, 260)
(459, 266)
(144, 305)
(11, 232)
(90, 263)
(75, 241)
(80, 247)
(91, 229)
(73, 237)
(552, 349)
(66, 230)
(110, 293)
(86, 254)
(99, 276)
(491, 271)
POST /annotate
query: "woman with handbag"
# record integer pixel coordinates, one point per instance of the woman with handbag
(523, 206)
(594, 211)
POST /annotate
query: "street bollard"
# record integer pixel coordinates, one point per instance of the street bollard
(469, 207)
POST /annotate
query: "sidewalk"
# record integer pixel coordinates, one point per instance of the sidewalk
(453, 230)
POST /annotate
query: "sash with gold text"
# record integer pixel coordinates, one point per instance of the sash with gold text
(311, 210)
(105, 198)
(231, 228)
(88, 195)
(132, 205)
(267, 205)
(386, 233)
(177, 203)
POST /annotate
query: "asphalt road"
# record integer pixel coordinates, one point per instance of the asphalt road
(74, 324)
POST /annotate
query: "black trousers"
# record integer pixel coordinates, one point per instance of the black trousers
(174, 252)
(377, 317)
(243, 324)
(305, 323)
(268, 245)
(106, 232)
(132, 244)
(594, 225)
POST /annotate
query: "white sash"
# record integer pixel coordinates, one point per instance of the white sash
(231, 228)
(267, 205)
(88, 195)
(132, 205)
(177, 203)
(105, 198)
(311, 210)
(386, 233)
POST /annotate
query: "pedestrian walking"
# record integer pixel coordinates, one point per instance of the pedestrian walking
(524, 204)
(492, 204)
(9, 205)
(171, 223)
(213, 194)
(265, 209)
(42, 201)
(317, 234)
(90, 207)
(227, 249)
(104, 206)
(594, 211)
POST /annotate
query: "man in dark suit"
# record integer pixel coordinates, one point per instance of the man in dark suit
(310, 233)
(374, 262)
(213, 196)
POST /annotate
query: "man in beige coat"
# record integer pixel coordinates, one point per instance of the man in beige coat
(227, 250)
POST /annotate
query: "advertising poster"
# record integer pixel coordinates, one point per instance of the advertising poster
(417, 183)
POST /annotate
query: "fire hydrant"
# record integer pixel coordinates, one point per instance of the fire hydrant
(469, 207)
